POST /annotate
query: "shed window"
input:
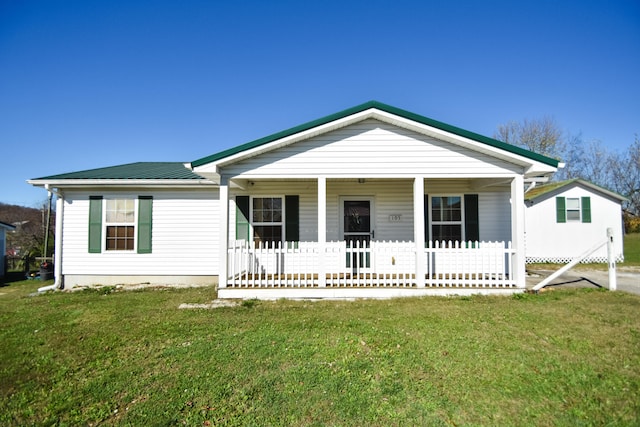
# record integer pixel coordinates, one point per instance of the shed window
(573, 209)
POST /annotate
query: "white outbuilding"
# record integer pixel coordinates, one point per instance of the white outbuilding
(564, 219)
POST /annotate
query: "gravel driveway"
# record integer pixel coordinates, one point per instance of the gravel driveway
(628, 278)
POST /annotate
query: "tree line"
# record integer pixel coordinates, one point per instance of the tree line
(25, 245)
(591, 160)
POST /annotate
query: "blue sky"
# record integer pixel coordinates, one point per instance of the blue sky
(86, 84)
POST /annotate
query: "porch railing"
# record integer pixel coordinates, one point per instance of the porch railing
(372, 264)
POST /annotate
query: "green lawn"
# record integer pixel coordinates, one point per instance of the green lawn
(565, 357)
(632, 249)
(631, 257)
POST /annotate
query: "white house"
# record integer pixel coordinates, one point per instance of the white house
(565, 219)
(372, 201)
(4, 227)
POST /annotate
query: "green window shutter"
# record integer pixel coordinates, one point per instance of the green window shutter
(586, 209)
(471, 218)
(292, 221)
(561, 211)
(242, 217)
(145, 204)
(95, 224)
(426, 218)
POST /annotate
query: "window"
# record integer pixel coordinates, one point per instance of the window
(573, 209)
(446, 218)
(119, 221)
(266, 219)
(120, 224)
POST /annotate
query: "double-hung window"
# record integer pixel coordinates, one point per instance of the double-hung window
(446, 218)
(120, 224)
(573, 209)
(267, 220)
(120, 218)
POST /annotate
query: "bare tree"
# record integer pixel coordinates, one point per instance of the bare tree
(542, 136)
(590, 161)
(27, 241)
(625, 168)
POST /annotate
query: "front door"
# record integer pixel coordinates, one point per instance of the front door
(358, 232)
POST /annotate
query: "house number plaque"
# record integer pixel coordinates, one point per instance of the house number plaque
(395, 218)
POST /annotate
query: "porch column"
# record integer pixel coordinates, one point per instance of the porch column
(322, 230)
(223, 217)
(517, 230)
(418, 228)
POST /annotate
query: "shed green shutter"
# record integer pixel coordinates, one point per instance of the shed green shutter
(145, 204)
(292, 218)
(242, 217)
(471, 218)
(586, 209)
(95, 224)
(561, 211)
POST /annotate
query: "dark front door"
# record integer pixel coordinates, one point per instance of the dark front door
(358, 232)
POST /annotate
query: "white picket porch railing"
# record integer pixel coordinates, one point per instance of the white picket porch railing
(378, 264)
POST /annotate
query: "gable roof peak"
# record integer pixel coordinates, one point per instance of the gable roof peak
(555, 186)
(422, 120)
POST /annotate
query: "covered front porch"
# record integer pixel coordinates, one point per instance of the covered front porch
(360, 265)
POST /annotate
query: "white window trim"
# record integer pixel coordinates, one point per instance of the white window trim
(282, 222)
(579, 209)
(461, 223)
(105, 224)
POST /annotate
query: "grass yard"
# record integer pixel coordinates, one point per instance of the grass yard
(565, 357)
(632, 249)
(631, 257)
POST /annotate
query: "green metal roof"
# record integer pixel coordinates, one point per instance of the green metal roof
(540, 191)
(389, 109)
(139, 170)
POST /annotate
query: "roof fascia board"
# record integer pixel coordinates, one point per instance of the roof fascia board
(232, 152)
(575, 183)
(597, 188)
(120, 182)
(286, 140)
(463, 141)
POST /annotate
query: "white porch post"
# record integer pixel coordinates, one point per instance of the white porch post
(517, 230)
(418, 228)
(322, 230)
(223, 217)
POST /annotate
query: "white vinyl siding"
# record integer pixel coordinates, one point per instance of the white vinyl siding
(185, 236)
(371, 147)
(393, 206)
(550, 241)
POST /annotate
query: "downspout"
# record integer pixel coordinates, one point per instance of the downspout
(57, 253)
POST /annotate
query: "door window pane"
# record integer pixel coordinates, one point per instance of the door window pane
(357, 216)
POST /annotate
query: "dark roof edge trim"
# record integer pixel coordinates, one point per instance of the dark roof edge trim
(386, 108)
(559, 186)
